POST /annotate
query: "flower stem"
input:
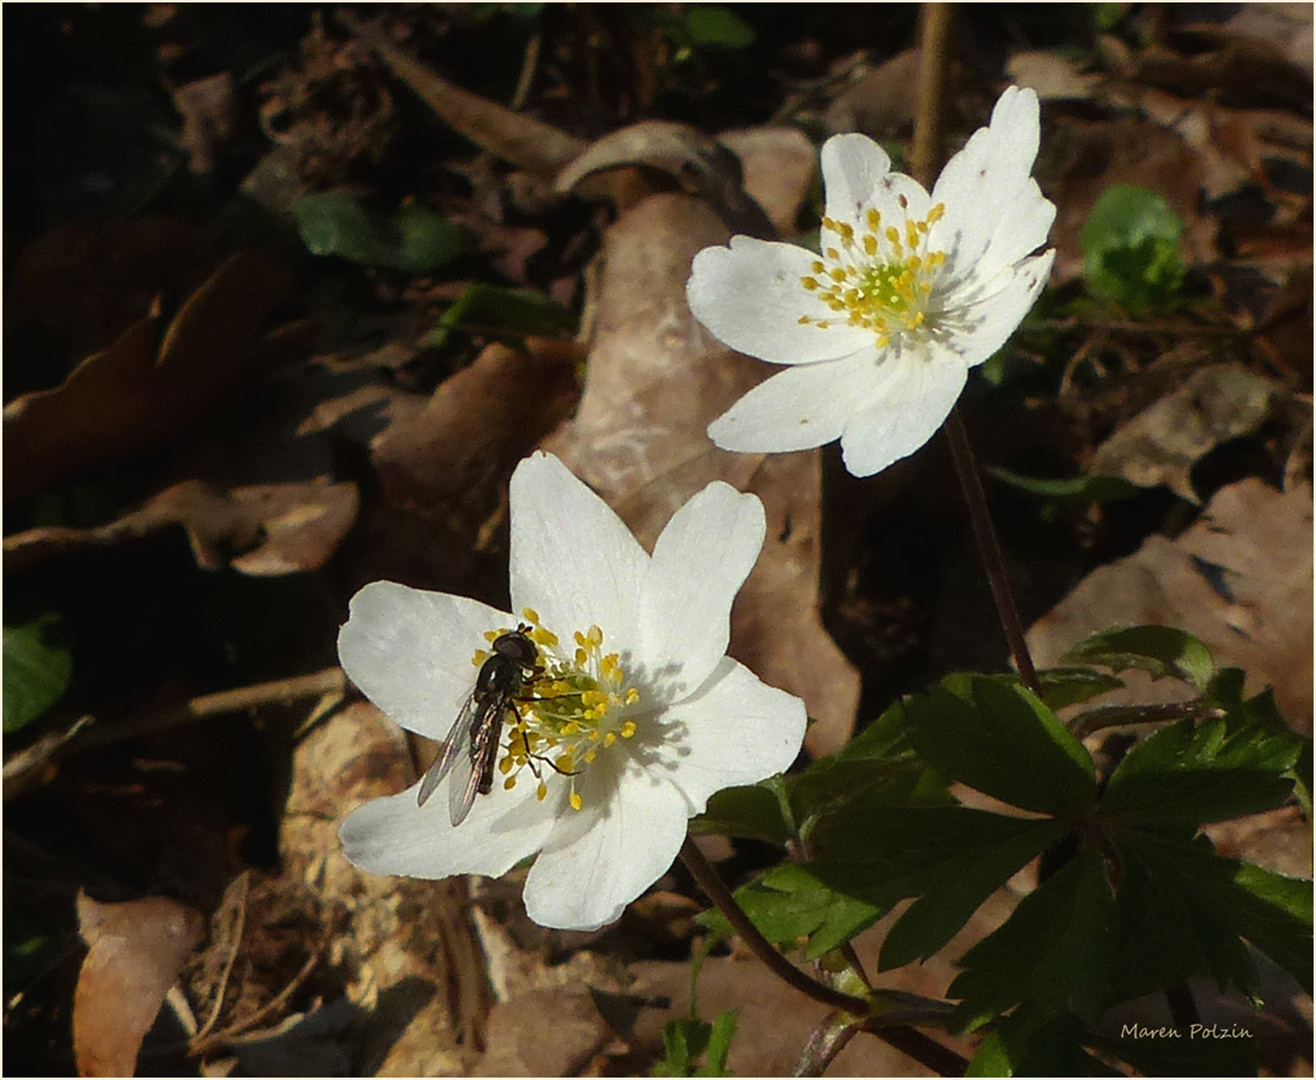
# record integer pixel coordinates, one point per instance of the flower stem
(707, 879)
(985, 534)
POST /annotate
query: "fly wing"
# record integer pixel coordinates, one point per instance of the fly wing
(466, 772)
(456, 748)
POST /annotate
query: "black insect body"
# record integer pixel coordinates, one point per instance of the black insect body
(471, 750)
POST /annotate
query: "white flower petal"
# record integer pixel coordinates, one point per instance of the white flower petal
(410, 652)
(1023, 228)
(984, 178)
(852, 167)
(699, 563)
(915, 396)
(796, 409)
(994, 319)
(750, 298)
(592, 867)
(393, 835)
(572, 558)
(737, 730)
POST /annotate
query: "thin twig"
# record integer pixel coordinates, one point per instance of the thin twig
(934, 37)
(976, 499)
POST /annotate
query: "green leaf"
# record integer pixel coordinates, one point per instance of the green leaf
(683, 1041)
(998, 738)
(753, 811)
(953, 857)
(1190, 1053)
(415, 240)
(37, 669)
(1163, 651)
(719, 1044)
(1199, 773)
(1220, 902)
(790, 903)
(1062, 686)
(961, 885)
(492, 310)
(711, 24)
(1131, 249)
(1100, 489)
(1028, 1044)
(1053, 953)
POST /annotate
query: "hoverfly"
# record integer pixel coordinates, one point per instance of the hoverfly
(471, 750)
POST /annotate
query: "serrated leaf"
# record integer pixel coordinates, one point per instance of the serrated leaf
(959, 887)
(1163, 651)
(1199, 773)
(952, 856)
(1063, 686)
(752, 811)
(1218, 909)
(1053, 953)
(789, 903)
(998, 738)
(37, 669)
(1024, 1044)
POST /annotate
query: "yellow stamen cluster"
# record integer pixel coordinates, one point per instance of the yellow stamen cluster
(877, 278)
(568, 711)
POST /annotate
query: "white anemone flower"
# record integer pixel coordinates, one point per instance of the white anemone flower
(909, 291)
(632, 716)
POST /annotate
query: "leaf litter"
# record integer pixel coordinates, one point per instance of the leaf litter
(207, 407)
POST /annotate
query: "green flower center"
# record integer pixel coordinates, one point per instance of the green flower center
(877, 278)
(573, 708)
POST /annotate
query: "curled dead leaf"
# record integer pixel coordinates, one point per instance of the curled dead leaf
(131, 398)
(135, 953)
(263, 530)
(700, 164)
(1162, 443)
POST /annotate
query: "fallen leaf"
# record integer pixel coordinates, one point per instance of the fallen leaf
(700, 164)
(779, 165)
(1054, 76)
(264, 530)
(136, 950)
(468, 437)
(132, 398)
(1240, 579)
(1161, 444)
(89, 283)
(654, 382)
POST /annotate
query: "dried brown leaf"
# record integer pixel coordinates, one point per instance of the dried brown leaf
(655, 381)
(263, 530)
(207, 107)
(132, 398)
(1240, 579)
(779, 165)
(1162, 443)
(136, 950)
(700, 164)
(477, 425)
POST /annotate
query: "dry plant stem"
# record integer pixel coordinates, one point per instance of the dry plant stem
(971, 484)
(715, 889)
(279, 692)
(934, 36)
